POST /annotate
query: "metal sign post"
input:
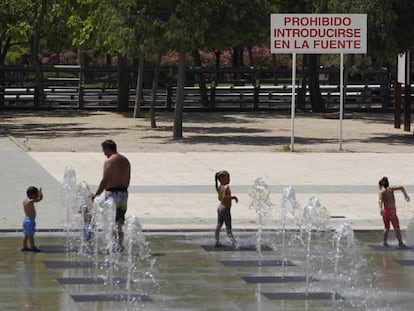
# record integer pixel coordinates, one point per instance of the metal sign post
(293, 104)
(341, 98)
(318, 34)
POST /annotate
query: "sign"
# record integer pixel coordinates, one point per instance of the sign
(401, 65)
(318, 33)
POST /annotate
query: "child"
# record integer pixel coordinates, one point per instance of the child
(223, 210)
(29, 224)
(88, 228)
(388, 209)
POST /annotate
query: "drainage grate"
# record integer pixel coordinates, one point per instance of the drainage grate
(304, 296)
(72, 264)
(405, 262)
(89, 281)
(379, 247)
(111, 297)
(257, 263)
(57, 249)
(230, 248)
(276, 279)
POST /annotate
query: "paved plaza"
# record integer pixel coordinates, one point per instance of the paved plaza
(173, 196)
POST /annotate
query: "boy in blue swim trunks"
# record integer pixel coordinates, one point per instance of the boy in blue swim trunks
(29, 224)
(88, 228)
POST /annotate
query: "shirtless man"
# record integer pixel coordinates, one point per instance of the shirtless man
(388, 209)
(33, 195)
(115, 183)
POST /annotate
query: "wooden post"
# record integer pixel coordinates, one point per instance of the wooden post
(407, 94)
(397, 97)
(2, 85)
(81, 83)
(397, 105)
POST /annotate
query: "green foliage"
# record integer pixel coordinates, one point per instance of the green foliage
(148, 27)
(404, 24)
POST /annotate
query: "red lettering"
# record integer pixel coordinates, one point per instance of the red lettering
(281, 44)
(287, 20)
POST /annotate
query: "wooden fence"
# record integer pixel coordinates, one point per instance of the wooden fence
(241, 89)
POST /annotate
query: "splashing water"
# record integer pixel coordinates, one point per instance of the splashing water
(344, 240)
(132, 232)
(329, 255)
(70, 203)
(88, 218)
(108, 209)
(117, 267)
(261, 204)
(288, 200)
(410, 232)
(315, 217)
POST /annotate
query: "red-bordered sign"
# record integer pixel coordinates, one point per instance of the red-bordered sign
(318, 33)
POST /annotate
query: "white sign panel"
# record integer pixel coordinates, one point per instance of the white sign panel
(401, 68)
(318, 33)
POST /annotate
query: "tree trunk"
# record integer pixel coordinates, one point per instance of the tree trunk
(179, 104)
(109, 82)
(201, 80)
(3, 53)
(38, 89)
(349, 61)
(214, 80)
(123, 84)
(3, 50)
(237, 61)
(2, 85)
(251, 58)
(138, 89)
(154, 91)
(314, 88)
(238, 56)
(301, 98)
(81, 83)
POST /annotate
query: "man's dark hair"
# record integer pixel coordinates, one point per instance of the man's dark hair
(109, 144)
(32, 192)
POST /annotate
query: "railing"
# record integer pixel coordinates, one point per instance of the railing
(96, 88)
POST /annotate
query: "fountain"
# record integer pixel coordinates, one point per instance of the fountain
(344, 242)
(312, 219)
(409, 233)
(70, 204)
(93, 224)
(137, 249)
(261, 204)
(328, 257)
(88, 213)
(288, 200)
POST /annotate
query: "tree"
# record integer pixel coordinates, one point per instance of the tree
(14, 26)
(404, 24)
(14, 31)
(153, 18)
(185, 30)
(23, 25)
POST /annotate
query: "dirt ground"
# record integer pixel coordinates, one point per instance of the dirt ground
(83, 131)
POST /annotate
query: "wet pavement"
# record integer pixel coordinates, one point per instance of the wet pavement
(184, 272)
(173, 196)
